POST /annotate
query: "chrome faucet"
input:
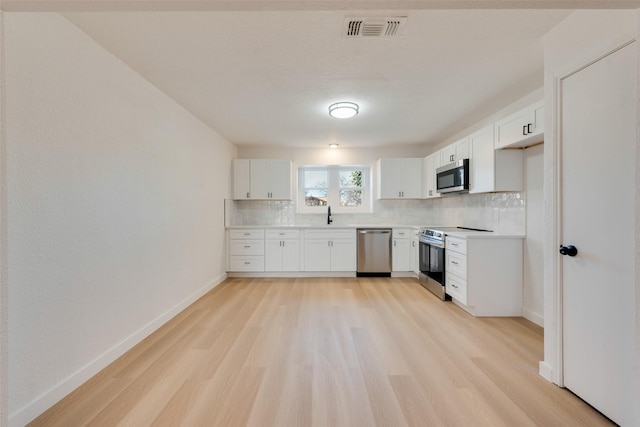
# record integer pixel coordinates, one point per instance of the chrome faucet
(329, 219)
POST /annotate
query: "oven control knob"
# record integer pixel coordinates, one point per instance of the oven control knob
(568, 250)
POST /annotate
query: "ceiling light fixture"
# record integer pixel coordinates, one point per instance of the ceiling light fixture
(343, 110)
(333, 145)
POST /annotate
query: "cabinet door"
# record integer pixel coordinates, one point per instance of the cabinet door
(461, 149)
(522, 128)
(343, 255)
(259, 179)
(412, 188)
(290, 255)
(482, 161)
(273, 255)
(241, 179)
(317, 255)
(447, 154)
(431, 163)
(401, 255)
(390, 178)
(279, 177)
(415, 256)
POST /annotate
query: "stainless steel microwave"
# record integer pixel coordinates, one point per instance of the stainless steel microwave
(453, 178)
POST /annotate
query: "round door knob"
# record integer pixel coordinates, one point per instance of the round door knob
(568, 250)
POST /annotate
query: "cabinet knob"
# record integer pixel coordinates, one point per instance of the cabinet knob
(569, 250)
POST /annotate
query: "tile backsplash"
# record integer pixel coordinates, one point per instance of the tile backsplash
(501, 212)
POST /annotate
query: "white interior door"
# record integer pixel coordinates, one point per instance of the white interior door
(598, 137)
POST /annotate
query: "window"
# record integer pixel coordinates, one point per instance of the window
(345, 188)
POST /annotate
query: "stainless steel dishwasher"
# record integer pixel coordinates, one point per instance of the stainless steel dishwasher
(374, 252)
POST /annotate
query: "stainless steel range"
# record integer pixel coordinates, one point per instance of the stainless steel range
(432, 260)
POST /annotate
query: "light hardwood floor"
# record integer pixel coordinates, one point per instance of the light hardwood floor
(327, 352)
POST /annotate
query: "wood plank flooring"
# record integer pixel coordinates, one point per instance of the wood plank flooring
(327, 352)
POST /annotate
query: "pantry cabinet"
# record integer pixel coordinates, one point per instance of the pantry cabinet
(493, 170)
(399, 178)
(521, 129)
(261, 179)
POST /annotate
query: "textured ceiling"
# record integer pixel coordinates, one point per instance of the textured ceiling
(268, 77)
(263, 72)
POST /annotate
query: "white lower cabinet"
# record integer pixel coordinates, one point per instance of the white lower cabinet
(330, 250)
(246, 250)
(415, 252)
(401, 249)
(282, 250)
(484, 275)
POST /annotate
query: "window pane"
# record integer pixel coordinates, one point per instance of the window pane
(315, 179)
(350, 197)
(351, 178)
(315, 197)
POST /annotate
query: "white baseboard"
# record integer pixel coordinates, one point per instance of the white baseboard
(532, 316)
(545, 371)
(47, 399)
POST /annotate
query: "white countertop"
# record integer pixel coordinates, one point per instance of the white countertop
(464, 234)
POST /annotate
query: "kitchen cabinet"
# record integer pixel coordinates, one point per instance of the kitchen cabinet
(493, 170)
(521, 129)
(401, 249)
(455, 151)
(431, 163)
(330, 250)
(484, 275)
(399, 178)
(282, 250)
(246, 251)
(261, 179)
(414, 252)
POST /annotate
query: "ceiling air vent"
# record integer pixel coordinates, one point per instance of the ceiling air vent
(373, 27)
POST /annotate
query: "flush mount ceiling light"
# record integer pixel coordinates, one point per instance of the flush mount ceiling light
(343, 110)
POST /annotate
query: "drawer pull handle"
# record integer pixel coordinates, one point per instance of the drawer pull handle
(247, 263)
(454, 262)
(247, 234)
(454, 244)
(455, 286)
(247, 246)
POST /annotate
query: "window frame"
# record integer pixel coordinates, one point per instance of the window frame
(333, 189)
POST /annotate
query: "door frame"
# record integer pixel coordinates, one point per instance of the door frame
(553, 369)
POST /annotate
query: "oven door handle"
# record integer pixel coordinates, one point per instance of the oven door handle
(436, 243)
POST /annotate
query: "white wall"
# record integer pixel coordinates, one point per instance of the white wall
(533, 291)
(4, 313)
(115, 208)
(581, 38)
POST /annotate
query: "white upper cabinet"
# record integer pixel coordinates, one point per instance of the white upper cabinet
(521, 129)
(400, 178)
(492, 170)
(261, 179)
(431, 163)
(454, 152)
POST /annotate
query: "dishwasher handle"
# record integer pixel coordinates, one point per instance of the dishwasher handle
(374, 231)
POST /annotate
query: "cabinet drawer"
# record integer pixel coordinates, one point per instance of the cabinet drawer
(247, 247)
(282, 234)
(456, 264)
(455, 244)
(330, 234)
(246, 234)
(246, 263)
(457, 288)
(401, 233)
